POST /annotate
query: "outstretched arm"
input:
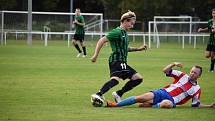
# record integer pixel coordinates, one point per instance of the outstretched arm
(207, 106)
(99, 45)
(170, 66)
(132, 49)
(206, 30)
(203, 29)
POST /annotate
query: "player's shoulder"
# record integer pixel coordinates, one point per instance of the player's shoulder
(115, 33)
(210, 20)
(116, 30)
(80, 17)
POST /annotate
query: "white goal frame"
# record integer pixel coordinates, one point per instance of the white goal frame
(155, 34)
(47, 13)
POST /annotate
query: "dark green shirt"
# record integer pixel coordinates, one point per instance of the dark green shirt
(211, 25)
(118, 39)
(78, 28)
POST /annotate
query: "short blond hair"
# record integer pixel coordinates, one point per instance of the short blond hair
(128, 15)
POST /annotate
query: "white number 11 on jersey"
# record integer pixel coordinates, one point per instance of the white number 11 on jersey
(123, 65)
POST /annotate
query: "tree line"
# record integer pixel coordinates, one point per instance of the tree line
(112, 9)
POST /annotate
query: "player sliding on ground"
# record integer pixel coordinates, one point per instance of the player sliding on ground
(119, 69)
(183, 88)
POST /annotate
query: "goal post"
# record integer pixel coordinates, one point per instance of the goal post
(175, 25)
(2, 26)
(12, 21)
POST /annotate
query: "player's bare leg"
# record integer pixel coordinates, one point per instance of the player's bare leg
(212, 61)
(83, 48)
(74, 42)
(211, 55)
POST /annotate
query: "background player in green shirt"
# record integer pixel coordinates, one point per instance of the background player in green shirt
(79, 33)
(210, 50)
(119, 69)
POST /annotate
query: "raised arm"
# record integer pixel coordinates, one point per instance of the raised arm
(132, 49)
(170, 66)
(99, 45)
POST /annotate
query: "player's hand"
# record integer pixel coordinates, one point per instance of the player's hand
(200, 30)
(93, 58)
(213, 30)
(213, 105)
(143, 47)
(74, 22)
(178, 64)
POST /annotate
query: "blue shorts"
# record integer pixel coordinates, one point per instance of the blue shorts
(160, 95)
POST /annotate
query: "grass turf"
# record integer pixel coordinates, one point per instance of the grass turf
(40, 83)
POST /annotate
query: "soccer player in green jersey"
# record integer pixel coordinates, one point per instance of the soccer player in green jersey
(210, 50)
(79, 33)
(119, 69)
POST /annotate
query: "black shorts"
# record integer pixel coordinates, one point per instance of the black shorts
(79, 37)
(121, 70)
(210, 48)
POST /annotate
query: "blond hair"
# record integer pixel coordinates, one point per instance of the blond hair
(128, 15)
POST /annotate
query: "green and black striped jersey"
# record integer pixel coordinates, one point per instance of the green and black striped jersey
(118, 39)
(78, 28)
(211, 25)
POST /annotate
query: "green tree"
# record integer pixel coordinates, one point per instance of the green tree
(50, 5)
(7, 4)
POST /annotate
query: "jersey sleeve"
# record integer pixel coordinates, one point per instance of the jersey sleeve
(174, 73)
(82, 19)
(209, 25)
(113, 35)
(196, 99)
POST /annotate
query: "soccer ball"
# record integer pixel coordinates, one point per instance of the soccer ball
(97, 101)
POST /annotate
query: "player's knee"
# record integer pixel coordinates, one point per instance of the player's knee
(207, 56)
(166, 104)
(212, 56)
(137, 76)
(73, 42)
(115, 78)
(82, 44)
(140, 78)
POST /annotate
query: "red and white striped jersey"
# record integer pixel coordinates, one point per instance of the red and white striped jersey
(182, 89)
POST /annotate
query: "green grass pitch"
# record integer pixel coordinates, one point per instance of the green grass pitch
(40, 83)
